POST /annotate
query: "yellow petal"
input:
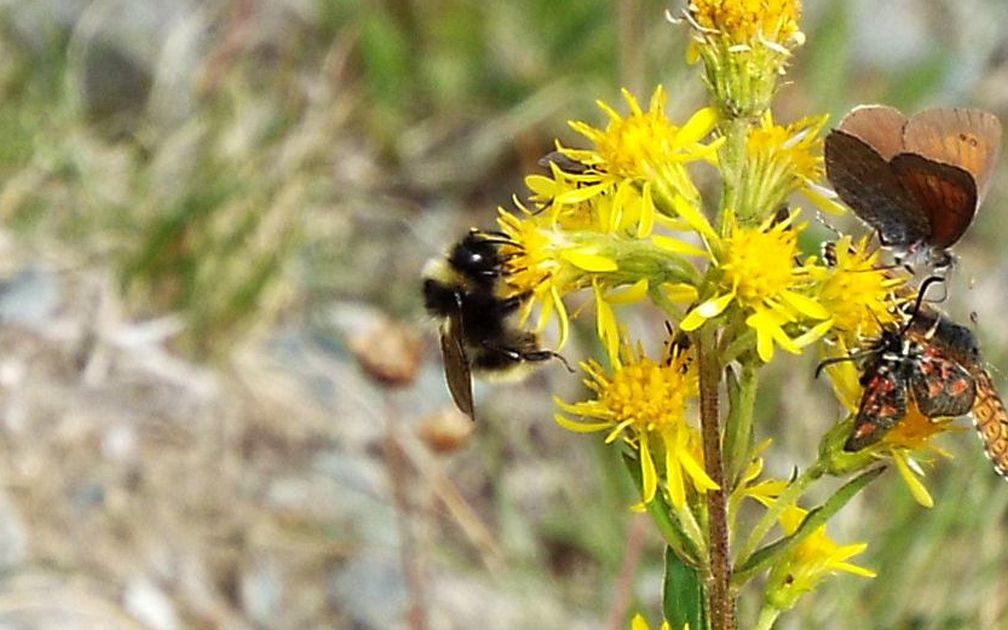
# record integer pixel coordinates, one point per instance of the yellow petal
(854, 569)
(561, 317)
(823, 199)
(628, 295)
(540, 184)
(696, 472)
(677, 246)
(649, 477)
(647, 214)
(580, 427)
(694, 217)
(805, 305)
(697, 127)
(706, 310)
(679, 292)
(917, 489)
(588, 259)
(674, 479)
(813, 334)
(577, 195)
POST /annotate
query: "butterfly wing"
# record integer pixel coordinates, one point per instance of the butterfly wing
(878, 126)
(883, 404)
(946, 194)
(865, 181)
(967, 138)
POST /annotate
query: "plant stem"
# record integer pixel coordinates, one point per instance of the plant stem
(732, 158)
(722, 608)
(738, 433)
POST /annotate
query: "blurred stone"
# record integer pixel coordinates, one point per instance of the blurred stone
(13, 535)
(262, 593)
(388, 351)
(445, 431)
(148, 603)
(370, 587)
(30, 298)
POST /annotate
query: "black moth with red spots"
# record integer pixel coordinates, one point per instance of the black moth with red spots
(905, 361)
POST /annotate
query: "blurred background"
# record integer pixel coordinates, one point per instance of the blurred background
(221, 404)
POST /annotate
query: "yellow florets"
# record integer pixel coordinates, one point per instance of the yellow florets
(645, 402)
(860, 296)
(748, 21)
(759, 264)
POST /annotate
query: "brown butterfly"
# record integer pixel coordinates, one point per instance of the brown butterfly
(918, 181)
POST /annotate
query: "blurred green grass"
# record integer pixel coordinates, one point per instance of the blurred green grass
(303, 151)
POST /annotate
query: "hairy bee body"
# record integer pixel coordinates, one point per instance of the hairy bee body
(478, 332)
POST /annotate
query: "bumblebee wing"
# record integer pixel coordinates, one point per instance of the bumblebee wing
(941, 387)
(883, 404)
(456, 366)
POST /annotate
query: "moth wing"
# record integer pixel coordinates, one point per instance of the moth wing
(941, 387)
(883, 404)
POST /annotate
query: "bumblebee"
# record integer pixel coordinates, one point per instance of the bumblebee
(478, 335)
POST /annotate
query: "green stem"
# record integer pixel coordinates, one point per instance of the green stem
(738, 432)
(721, 607)
(767, 618)
(732, 157)
(772, 513)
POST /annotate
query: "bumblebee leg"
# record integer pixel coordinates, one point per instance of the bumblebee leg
(517, 354)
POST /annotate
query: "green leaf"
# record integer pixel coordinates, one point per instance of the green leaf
(662, 515)
(683, 594)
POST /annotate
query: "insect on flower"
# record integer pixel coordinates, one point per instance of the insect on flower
(464, 289)
(917, 181)
(907, 360)
(958, 343)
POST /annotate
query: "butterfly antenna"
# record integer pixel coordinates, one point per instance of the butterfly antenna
(921, 293)
(834, 360)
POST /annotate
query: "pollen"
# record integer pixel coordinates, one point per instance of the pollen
(646, 395)
(759, 264)
(747, 21)
(859, 295)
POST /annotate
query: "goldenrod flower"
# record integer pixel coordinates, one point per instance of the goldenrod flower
(760, 275)
(860, 296)
(812, 559)
(780, 160)
(745, 46)
(645, 402)
(643, 146)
